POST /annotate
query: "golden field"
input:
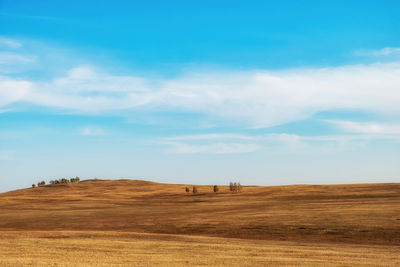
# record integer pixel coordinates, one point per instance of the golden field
(88, 248)
(129, 222)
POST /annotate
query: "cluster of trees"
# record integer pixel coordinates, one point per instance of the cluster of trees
(65, 181)
(235, 187)
(42, 183)
(194, 189)
(59, 181)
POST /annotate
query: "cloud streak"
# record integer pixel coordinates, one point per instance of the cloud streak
(255, 99)
(92, 131)
(216, 148)
(368, 127)
(384, 52)
(10, 43)
(230, 143)
(10, 58)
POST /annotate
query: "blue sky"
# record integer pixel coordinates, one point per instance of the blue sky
(261, 92)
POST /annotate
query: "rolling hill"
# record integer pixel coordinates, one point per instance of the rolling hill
(354, 214)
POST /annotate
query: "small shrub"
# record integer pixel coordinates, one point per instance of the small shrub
(194, 190)
(33, 185)
(41, 183)
(187, 189)
(64, 181)
(215, 189)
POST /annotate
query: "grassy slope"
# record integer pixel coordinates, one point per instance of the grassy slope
(362, 214)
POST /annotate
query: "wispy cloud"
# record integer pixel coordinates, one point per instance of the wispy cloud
(10, 43)
(257, 98)
(91, 131)
(241, 143)
(22, 16)
(384, 52)
(15, 58)
(367, 127)
(215, 136)
(217, 148)
(282, 137)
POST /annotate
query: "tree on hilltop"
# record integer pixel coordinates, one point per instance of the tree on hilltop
(74, 180)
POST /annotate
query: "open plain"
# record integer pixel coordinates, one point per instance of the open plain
(133, 222)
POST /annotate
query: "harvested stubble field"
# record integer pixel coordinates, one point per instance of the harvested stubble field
(125, 222)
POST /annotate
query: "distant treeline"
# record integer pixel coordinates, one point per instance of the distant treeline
(58, 181)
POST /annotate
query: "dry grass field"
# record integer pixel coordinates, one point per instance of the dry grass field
(106, 222)
(88, 248)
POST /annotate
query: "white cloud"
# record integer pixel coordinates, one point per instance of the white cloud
(255, 98)
(283, 137)
(217, 148)
(367, 127)
(12, 90)
(11, 43)
(92, 131)
(85, 89)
